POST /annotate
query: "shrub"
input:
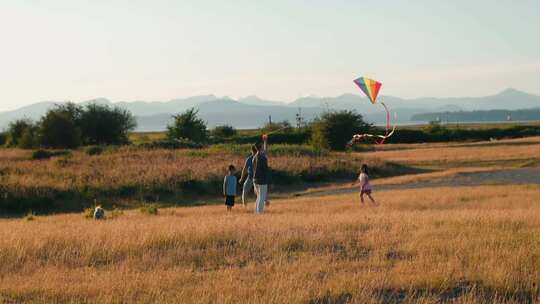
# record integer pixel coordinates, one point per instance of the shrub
(187, 126)
(285, 136)
(41, 154)
(318, 139)
(3, 138)
(16, 130)
(225, 131)
(335, 129)
(29, 139)
(45, 154)
(93, 150)
(88, 213)
(30, 216)
(59, 127)
(103, 125)
(150, 209)
(172, 144)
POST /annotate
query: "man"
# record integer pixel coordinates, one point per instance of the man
(260, 175)
(247, 174)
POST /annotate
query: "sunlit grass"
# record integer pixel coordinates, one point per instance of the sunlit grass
(470, 245)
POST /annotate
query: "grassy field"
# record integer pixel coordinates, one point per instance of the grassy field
(433, 245)
(129, 176)
(503, 153)
(466, 245)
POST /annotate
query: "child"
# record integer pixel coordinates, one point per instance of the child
(229, 188)
(365, 187)
(99, 213)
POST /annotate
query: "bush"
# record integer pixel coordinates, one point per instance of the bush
(274, 150)
(29, 139)
(93, 150)
(30, 216)
(41, 154)
(3, 138)
(103, 125)
(59, 127)
(224, 131)
(188, 126)
(88, 213)
(172, 144)
(293, 137)
(16, 130)
(150, 209)
(334, 129)
(45, 154)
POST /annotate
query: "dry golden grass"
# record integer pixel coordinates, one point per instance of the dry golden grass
(128, 173)
(466, 245)
(454, 154)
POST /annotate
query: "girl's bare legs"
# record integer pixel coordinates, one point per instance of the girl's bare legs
(362, 197)
(371, 198)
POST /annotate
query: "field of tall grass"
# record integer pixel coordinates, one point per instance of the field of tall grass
(459, 245)
(120, 176)
(127, 176)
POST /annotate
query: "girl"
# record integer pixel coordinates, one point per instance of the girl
(365, 187)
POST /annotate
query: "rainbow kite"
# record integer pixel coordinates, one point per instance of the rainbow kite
(371, 88)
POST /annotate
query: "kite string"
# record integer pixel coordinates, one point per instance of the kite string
(275, 131)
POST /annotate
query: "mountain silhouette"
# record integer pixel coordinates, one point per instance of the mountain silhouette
(252, 111)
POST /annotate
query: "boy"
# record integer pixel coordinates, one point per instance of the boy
(229, 188)
(99, 213)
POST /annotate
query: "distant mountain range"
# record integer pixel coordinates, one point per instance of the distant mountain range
(252, 111)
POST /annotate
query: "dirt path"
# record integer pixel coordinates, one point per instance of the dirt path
(496, 177)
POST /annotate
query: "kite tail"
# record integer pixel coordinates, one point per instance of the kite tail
(379, 139)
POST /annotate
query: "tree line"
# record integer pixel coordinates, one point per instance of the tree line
(70, 126)
(330, 131)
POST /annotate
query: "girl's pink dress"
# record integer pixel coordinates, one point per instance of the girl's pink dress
(364, 183)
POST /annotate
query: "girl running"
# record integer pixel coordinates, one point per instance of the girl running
(365, 187)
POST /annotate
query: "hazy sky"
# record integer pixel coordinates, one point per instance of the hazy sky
(159, 50)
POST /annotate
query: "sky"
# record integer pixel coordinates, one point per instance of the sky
(278, 49)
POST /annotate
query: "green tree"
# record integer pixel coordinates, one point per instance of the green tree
(16, 130)
(103, 125)
(187, 125)
(59, 128)
(30, 138)
(334, 129)
(3, 138)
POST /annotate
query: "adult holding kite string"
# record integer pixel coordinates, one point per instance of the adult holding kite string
(260, 175)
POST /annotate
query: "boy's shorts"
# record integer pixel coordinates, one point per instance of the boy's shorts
(229, 200)
(365, 192)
